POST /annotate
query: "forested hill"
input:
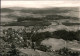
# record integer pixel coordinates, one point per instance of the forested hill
(12, 13)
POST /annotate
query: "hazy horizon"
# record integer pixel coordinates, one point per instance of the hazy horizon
(39, 4)
(42, 5)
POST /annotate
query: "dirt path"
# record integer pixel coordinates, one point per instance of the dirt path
(31, 52)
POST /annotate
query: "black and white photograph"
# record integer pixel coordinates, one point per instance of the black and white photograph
(40, 28)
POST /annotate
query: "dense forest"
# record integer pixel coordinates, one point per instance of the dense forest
(15, 41)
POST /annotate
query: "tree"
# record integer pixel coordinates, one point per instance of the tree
(44, 48)
(13, 51)
(3, 46)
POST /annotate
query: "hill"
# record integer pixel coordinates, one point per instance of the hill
(14, 12)
(14, 16)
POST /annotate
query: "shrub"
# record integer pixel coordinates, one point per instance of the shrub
(13, 51)
(67, 52)
(44, 48)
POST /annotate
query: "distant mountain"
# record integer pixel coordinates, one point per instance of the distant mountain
(65, 11)
(57, 13)
(4, 10)
(45, 11)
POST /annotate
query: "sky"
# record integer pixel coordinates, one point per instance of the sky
(40, 4)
